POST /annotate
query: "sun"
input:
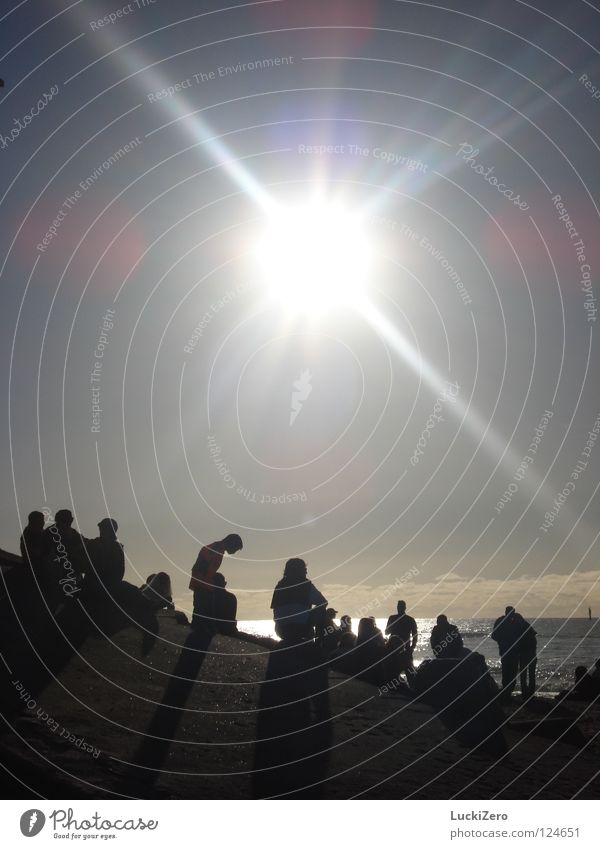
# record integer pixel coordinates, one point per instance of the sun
(314, 258)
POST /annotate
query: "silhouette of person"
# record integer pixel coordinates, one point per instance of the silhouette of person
(445, 638)
(347, 636)
(31, 543)
(297, 604)
(157, 591)
(586, 685)
(106, 562)
(24, 585)
(370, 653)
(202, 582)
(506, 632)
(527, 655)
(332, 632)
(225, 607)
(403, 636)
(63, 552)
(370, 634)
(345, 623)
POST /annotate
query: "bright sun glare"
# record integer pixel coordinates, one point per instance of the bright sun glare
(315, 258)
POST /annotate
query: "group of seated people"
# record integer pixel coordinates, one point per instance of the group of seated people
(383, 661)
(58, 564)
(586, 684)
(63, 563)
(300, 613)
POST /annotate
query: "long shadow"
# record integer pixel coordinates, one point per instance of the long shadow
(152, 752)
(294, 728)
(462, 694)
(39, 644)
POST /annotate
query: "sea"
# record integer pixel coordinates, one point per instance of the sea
(562, 645)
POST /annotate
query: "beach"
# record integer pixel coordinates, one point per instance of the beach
(562, 645)
(86, 735)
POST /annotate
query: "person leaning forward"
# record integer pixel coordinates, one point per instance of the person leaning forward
(202, 581)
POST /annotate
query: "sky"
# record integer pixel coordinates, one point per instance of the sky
(178, 356)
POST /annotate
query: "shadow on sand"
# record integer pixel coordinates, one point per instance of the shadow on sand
(294, 729)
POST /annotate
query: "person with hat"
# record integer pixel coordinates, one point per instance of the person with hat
(106, 561)
(202, 582)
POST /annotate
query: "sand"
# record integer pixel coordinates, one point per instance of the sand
(86, 736)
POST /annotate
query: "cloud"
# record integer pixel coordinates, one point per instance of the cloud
(458, 596)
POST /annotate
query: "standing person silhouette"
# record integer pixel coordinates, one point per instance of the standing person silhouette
(506, 632)
(527, 655)
(445, 638)
(202, 582)
(403, 634)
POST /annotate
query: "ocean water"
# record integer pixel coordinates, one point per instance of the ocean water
(562, 644)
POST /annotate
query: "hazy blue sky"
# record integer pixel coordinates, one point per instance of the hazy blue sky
(451, 132)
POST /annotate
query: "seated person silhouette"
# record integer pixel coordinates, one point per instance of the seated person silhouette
(298, 606)
(24, 584)
(157, 592)
(31, 543)
(445, 640)
(332, 632)
(463, 693)
(225, 607)
(347, 636)
(368, 658)
(63, 554)
(106, 563)
(585, 686)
